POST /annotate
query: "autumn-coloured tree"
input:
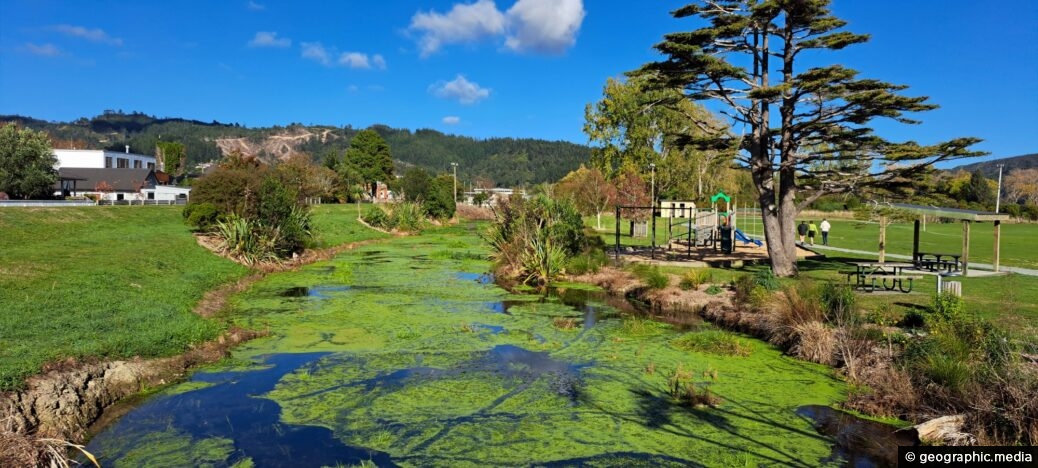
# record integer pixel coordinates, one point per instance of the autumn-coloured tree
(103, 188)
(590, 191)
(1021, 184)
(632, 190)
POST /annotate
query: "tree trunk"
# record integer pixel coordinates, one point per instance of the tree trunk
(598, 220)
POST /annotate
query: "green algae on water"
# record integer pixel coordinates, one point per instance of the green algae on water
(432, 364)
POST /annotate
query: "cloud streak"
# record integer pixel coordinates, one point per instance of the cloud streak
(451, 120)
(43, 50)
(459, 89)
(329, 57)
(536, 26)
(92, 35)
(269, 39)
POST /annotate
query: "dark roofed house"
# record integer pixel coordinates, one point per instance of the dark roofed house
(124, 183)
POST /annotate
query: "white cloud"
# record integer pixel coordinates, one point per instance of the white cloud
(378, 61)
(44, 50)
(451, 120)
(352, 88)
(358, 60)
(269, 39)
(463, 23)
(460, 89)
(93, 35)
(315, 51)
(256, 6)
(544, 26)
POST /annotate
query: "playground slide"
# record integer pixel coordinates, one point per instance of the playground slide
(742, 237)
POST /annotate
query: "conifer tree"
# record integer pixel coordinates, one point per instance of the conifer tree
(749, 60)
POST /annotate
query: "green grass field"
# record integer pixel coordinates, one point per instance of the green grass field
(1017, 245)
(113, 282)
(1011, 301)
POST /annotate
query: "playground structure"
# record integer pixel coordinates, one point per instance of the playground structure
(692, 227)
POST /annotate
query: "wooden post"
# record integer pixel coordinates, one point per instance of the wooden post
(652, 213)
(998, 237)
(915, 242)
(618, 232)
(882, 238)
(965, 246)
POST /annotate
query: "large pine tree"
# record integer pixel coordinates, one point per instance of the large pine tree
(369, 155)
(807, 127)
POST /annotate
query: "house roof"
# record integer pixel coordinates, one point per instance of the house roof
(121, 180)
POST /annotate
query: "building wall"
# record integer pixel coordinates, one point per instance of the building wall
(96, 159)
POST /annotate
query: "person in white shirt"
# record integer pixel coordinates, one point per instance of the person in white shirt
(824, 227)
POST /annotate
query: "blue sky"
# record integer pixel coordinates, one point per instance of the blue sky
(519, 68)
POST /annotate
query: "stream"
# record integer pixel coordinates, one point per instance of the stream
(406, 353)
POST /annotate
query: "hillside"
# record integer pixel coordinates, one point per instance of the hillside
(504, 161)
(990, 168)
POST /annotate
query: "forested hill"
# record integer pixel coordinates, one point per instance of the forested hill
(503, 161)
(990, 168)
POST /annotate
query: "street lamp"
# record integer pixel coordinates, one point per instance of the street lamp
(652, 194)
(454, 165)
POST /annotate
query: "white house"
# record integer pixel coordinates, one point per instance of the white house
(166, 193)
(101, 159)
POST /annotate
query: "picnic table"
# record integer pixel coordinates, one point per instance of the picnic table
(935, 261)
(869, 276)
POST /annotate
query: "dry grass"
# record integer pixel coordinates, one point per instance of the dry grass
(25, 450)
(814, 342)
(474, 213)
(564, 323)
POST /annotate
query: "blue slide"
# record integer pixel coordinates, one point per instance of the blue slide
(746, 240)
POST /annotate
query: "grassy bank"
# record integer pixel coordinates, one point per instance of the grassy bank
(113, 282)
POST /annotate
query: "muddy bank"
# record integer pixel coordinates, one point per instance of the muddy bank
(69, 396)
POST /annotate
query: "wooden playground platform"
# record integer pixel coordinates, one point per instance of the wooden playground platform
(678, 254)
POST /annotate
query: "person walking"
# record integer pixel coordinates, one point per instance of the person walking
(825, 227)
(802, 230)
(812, 230)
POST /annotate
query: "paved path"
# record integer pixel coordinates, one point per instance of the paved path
(982, 266)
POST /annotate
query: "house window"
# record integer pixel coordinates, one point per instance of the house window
(108, 162)
(122, 163)
(118, 196)
(151, 165)
(136, 163)
(151, 195)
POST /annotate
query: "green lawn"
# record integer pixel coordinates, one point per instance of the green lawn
(337, 224)
(1011, 301)
(113, 282)
(1017, 246)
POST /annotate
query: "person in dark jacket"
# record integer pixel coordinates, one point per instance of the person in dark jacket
(802, 230)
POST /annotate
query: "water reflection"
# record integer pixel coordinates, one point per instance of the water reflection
(229, 409)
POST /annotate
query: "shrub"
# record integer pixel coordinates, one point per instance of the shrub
(766, 279)
(683, 389)
(655, 279)
(838, 302)
(947, 307)
(713, 290)
(376, 217)
(408, 217)
(532, 239)
(201, 216)
(693, 278)
(590, 260)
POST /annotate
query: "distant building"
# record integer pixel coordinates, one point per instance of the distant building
(101, 159)
(495, 196)
(120, 184)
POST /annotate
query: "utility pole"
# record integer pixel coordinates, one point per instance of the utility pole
(998, 194)
(652, 193)
(455, 193)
